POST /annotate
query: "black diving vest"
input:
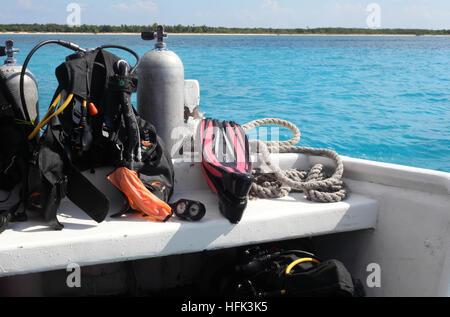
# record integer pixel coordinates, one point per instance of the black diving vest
(76, 140)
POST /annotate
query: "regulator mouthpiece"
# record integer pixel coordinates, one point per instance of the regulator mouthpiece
(159, 35)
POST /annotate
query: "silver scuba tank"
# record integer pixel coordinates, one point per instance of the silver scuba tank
(160, 95)
(10, 75)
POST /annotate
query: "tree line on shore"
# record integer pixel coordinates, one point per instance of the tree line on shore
(60, 28)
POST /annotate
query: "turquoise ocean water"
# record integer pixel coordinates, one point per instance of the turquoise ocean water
(379, 98)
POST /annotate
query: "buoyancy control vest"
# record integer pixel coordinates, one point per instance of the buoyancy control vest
(94, 126)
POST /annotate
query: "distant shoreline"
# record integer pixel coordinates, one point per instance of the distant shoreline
(222, 34)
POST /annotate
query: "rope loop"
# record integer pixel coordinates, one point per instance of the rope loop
(279, 183)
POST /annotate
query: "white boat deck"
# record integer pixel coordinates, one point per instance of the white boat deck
(31, 247)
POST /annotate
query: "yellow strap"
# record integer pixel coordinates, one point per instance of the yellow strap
(23, 122)
(297, 262)
(49, 117)
(51, 108)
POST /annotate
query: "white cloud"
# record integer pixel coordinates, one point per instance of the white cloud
(25, 4)
(120, 6)
(421, 16)
(349, 8)
(147, 5)
(137, 5)
(271, 4)
(33, 7)
(274, 7)
(420, 11)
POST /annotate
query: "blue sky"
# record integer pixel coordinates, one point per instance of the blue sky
(432, 14)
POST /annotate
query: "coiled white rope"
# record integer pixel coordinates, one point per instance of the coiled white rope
(278, 183)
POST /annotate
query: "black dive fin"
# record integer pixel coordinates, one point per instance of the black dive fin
(51, 196)
(86, 196)
(79, 189)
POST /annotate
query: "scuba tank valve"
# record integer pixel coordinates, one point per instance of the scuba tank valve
(159, 35)
(9, 51)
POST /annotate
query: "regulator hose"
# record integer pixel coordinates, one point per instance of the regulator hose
(138, 60)
(69, 45)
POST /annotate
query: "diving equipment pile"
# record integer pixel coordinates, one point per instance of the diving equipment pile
(275, 272)
(91, 123)
(95, 125)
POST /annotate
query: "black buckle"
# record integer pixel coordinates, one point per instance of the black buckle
(5, 218)
(123, 83)
(61, 187)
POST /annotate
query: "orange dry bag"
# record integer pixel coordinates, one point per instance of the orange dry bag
(140, 198)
